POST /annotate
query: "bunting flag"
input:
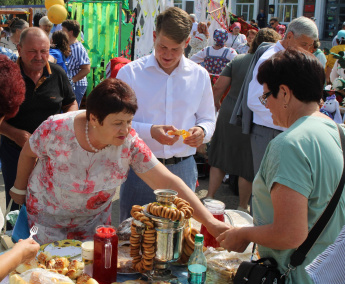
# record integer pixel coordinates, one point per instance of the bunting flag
(100, 21)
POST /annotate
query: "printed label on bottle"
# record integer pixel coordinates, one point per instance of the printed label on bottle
(196, 274)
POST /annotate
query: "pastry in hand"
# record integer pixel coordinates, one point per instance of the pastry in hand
(182, 133)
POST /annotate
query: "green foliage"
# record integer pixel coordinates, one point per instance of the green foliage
(21, 2)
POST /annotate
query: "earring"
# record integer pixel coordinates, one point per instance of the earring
(285, 106)
(94, 126)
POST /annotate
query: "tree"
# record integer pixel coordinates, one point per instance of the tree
(22, 2)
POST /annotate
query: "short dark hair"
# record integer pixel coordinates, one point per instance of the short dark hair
(264, 35)
(316, 44)
(296, 68)
(12, 87)
(37, 18)
(274, 19)
(340, 42)
(72, 25)
(175, 24)
(110, 96)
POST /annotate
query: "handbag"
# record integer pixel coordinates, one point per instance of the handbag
(265, 270)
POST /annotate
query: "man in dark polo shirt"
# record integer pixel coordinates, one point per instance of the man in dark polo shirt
(48, 92)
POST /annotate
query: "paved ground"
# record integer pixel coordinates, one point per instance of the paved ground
(224, 193)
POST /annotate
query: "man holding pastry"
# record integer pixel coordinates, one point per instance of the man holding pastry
(173, 94)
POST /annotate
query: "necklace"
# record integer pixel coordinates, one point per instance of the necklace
(87, 137)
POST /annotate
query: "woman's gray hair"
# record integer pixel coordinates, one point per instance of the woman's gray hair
(44, 21)
(17, 24)
(303, 26)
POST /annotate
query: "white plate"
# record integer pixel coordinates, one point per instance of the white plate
(64, 248)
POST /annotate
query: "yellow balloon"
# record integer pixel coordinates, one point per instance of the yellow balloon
(49, 3)
(57, 14)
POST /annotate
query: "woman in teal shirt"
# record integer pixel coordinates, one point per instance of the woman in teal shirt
(301, 168)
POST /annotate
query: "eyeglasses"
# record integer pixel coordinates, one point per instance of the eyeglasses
(272, 23)
(263, 98)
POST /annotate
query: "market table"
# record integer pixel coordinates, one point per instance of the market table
(178, 270)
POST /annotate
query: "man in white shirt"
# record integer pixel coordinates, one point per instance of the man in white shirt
(300, 33)
(173, 93)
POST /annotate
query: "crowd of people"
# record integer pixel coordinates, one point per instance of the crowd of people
(66, 163)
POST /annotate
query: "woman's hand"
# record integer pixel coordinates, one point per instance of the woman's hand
(232, 241)
(217, 227)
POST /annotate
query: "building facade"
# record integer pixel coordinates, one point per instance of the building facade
(329, 14)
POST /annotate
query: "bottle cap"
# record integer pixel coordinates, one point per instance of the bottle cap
(199, 238)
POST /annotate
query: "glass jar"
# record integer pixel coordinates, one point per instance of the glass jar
(217, 208)
(105, 254)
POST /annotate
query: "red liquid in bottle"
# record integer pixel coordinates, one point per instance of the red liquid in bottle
(209, 240)
(105, 255)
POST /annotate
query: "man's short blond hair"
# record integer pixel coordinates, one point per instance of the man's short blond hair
(175, 24)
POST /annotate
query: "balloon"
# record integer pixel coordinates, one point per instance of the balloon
(57, 14)
(49, 3)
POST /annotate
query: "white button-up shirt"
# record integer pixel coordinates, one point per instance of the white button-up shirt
(261, 115)
(183, 99)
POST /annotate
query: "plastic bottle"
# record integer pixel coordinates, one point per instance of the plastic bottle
(197, 263)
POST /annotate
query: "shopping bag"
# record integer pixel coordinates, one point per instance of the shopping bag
(21, 228)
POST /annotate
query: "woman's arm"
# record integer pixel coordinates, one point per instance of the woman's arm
(288, 230)
(22, 252)
(219, 88)
(161, 177)
(26, 164)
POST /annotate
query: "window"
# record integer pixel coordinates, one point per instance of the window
(245, 8)
(287, 10)
(178, 3)
(187, 5)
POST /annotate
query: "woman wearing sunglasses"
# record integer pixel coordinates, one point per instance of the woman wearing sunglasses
(301, 168)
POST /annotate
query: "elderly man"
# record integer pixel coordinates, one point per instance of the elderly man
(168, 98)
(48, 92)
(301, 33)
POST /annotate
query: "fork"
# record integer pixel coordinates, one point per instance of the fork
(33, 231)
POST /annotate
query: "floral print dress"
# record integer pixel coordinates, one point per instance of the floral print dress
(197, 43)
(70, 189)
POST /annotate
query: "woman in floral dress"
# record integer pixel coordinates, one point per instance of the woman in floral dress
(82, 157)
(199, 40)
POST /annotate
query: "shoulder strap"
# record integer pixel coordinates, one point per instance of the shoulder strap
(234, 40)
(299, 255)
(208, 51)
(225, 53)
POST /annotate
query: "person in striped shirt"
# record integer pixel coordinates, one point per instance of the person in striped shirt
(78, 62)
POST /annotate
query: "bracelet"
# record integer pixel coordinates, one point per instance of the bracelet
(18, 191)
